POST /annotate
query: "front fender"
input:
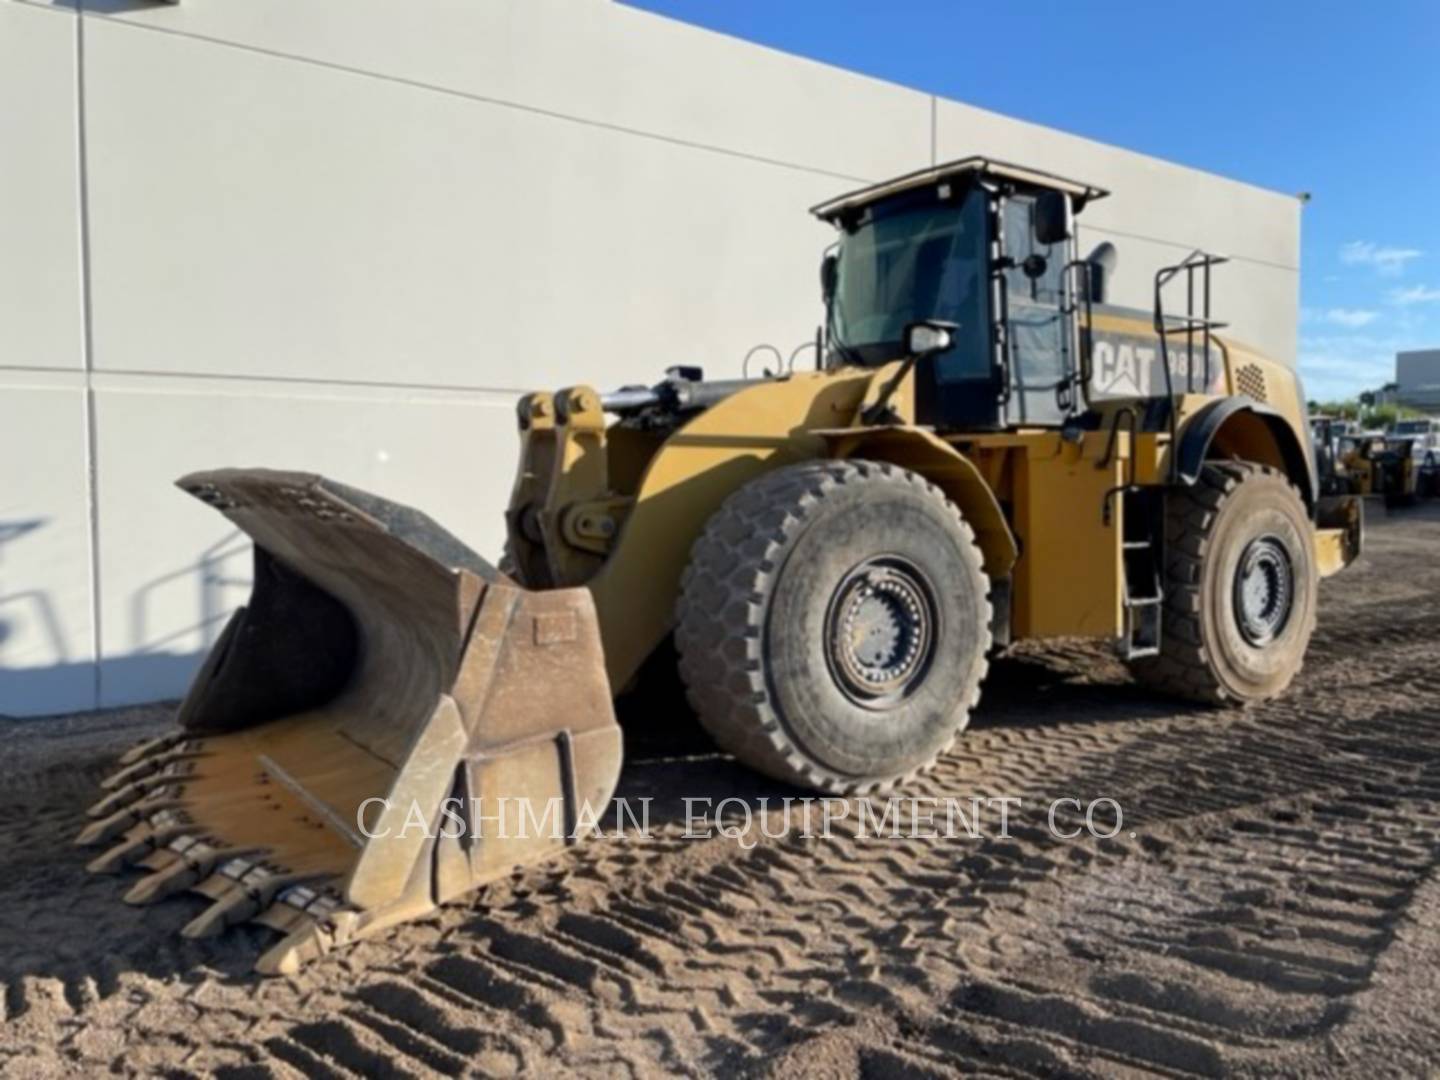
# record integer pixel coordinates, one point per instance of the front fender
(947, 468)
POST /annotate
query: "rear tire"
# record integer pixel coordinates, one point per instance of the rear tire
(833, 625)
(1240, 588)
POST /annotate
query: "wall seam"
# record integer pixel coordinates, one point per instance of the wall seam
(49, 5)
(318, 383)
(687, 143)
(1253, 260)
(87, 338)
(503, 103)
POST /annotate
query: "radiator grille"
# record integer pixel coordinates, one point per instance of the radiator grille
(1249, 379)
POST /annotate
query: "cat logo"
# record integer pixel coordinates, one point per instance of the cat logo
(1123, 368)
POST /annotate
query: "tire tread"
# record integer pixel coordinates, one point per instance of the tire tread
(1184, 667)
(719, 633)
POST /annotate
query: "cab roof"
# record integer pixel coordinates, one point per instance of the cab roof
(983, 166)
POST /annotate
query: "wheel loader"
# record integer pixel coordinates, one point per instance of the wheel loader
(1376, 465)
(1330, 450)
(1398, 466)
(987, 451)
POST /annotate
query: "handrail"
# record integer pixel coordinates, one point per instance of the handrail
(1196, 260)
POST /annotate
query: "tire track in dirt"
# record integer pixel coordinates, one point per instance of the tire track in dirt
(1265, 862)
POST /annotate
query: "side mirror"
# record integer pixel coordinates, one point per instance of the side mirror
(1101, 265)
(829, 276)
(1054, 217)
(931, 336)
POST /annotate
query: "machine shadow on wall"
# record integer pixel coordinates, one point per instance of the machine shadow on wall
(153, 668)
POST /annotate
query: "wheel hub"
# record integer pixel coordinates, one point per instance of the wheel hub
(1264, 590)
(881, 631)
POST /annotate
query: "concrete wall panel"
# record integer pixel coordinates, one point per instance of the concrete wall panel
(1150, 198)
(46, 632)
(595, 61)
(284, 219)
(1251, 297)
(1161, 211)
(40, 301)
(173, 568)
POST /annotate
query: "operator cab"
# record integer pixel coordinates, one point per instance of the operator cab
(985, 250)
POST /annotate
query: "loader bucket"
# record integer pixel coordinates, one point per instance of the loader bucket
(388, 724)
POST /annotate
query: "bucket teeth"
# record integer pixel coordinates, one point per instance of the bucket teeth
(148, 766)
(121, 821)
(308, 942)
(378, 660)
(134, 848)
(123, 797)
(186, 870)
(152, 746)
(246, 898)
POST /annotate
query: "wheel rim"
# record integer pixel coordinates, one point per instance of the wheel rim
(881, 631)
(1264, 590)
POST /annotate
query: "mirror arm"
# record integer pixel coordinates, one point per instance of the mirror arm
(879, 411)
(876, 412)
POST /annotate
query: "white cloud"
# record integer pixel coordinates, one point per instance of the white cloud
(1385, 260)
(1350, 317)
(1415, 294)
(1337, 366)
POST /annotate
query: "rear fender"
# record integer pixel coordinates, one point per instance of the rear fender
(1241, 427)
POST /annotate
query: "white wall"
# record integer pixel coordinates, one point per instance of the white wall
(47, 629)
(341, 235)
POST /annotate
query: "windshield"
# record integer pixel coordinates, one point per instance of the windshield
(1412, 427)
(906, 264)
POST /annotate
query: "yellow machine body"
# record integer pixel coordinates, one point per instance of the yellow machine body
(470, 688)
(1042, 504)
(348, 751)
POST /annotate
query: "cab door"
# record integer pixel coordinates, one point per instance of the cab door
(1037, 329)
(963, 389)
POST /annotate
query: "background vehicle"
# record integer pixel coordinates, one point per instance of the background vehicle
(1377, 465)
(1423, 432)
(1400, 470)
(1327, 436)
(1358, 451)
(986, 452)
(1424, 437)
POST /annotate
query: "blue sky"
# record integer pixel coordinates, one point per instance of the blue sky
(1338, 99)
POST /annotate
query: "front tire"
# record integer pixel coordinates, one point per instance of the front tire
(1240, 589)
(833, 625)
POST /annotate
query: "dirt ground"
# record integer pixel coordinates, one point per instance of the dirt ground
(1271, 904)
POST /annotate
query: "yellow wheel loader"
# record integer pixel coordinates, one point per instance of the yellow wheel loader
(1376, 465)
(987, 451)
(1401, 472)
